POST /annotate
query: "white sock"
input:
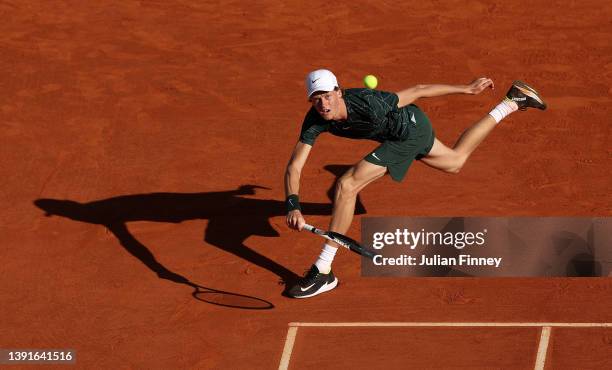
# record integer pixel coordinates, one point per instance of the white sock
(325, 259)
(503, 109)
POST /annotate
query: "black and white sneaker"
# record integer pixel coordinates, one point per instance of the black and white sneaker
(313, 283)
(525, 96)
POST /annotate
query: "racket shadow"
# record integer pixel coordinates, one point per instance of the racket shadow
(229, 299)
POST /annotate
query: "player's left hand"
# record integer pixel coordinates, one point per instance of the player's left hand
(478, 85)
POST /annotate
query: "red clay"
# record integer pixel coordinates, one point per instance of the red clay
(415, 348)
(105, 104)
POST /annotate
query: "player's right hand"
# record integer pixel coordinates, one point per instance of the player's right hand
(295, 220)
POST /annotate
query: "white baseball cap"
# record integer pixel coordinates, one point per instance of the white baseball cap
(320, 80)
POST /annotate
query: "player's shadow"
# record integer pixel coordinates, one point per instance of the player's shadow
(232, 218)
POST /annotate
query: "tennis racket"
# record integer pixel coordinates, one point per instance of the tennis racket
(343, 240)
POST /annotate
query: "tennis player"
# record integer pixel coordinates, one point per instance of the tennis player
(404, 133)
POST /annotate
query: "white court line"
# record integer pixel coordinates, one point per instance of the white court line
(454, 324)
(291, 333)
(542, 348)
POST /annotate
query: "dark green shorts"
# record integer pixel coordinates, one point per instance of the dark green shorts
(397, 155)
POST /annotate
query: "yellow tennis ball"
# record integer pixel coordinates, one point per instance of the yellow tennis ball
(370, 81)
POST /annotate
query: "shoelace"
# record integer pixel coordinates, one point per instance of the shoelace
(309, 277)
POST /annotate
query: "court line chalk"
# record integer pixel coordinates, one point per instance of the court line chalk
(289, 341)
(542, 348)
(453, 324)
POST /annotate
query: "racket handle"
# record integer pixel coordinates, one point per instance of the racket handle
(314, 230)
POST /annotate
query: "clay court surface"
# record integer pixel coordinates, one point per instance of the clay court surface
(144, 144)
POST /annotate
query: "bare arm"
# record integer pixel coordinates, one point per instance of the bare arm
(411, 94)
(294, 168)
(295, 220)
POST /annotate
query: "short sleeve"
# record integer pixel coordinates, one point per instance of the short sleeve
(313, 125)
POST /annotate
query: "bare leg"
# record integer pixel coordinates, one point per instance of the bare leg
(451, 160)
(319, 278)
(349, 185)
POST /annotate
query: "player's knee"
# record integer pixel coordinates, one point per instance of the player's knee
(346, 187)
(455, 169)
(457, 164)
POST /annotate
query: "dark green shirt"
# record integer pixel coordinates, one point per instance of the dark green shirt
(372, 114)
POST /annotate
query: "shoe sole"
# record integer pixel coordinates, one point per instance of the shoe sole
(529, 91)
(323, 289)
